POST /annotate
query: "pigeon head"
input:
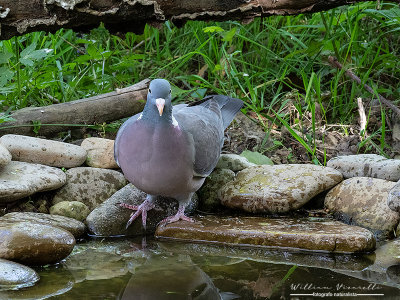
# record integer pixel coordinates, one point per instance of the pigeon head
(158, 105)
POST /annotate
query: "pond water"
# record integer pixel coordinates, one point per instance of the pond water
(144, 268)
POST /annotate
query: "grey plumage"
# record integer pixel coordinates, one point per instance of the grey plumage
(169, 150)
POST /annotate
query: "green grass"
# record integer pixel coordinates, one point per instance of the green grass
(260, 63)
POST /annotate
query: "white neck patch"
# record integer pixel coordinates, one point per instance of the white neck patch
(174, 122)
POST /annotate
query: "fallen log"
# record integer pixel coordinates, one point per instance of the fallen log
(20, 17)
(48, 120)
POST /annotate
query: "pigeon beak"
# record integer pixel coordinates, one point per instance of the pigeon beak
(160, 102)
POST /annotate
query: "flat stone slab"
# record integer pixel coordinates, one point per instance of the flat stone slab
(362, 201)
(100, 153)
(33, 243)
(90, 186)
(21, 179)
(76, 228)
(367, 165)
(16, 276)
(331, 236)
(279, 188)
(45, 152)
(5, 156)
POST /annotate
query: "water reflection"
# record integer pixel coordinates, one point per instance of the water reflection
(133, 269)
(167, 277)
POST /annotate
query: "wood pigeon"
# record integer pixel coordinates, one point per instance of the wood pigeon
(169, 150)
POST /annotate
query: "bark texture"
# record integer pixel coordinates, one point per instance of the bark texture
(22, 16)
(108, 107)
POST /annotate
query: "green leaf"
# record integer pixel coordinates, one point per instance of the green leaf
(5, 56)
(199, 93)
(93, 52)
(82, 59)
(29, 54)
(5, 75)
(212, 29)
(256, 158)
(36, 126)
(228, 36)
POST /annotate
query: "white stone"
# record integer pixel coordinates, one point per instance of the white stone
(45, 152)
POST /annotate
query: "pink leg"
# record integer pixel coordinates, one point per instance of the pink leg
(180, 215)
(141, 209)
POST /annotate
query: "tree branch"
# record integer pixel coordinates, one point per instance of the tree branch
(51, 119)
(335, 63)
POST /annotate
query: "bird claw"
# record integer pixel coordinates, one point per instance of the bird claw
(179, 216)
(141, 209)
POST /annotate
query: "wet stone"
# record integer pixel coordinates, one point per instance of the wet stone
(21, 179)
(100, 153)
(33, 243)
(279, 188)
(91, 186)
(331, 236)
(15, 276)
(5, 156)
(209, 193)
(42, 151)
(233, 162)
(367, 165)
(362, 201)
(76, 228)
(91, 261)
(109, 219)
(54, 282)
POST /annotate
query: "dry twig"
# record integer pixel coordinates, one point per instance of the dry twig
(335, 63)
(363, 118)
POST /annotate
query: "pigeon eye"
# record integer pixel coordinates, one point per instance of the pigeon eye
(170, 91)
(150, 91)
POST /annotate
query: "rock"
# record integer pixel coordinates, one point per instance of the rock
(393, 199)
(71, 209)
(100, 153)
(33, 243)
(362, 201)
(54, 282)
(386, 259)
(21, 179)
(45, 152)
(329, 235)
(5, 156)
(109, 219)
(211, 255)
(76, 228)
(366, 165)
(90, 261)
(16, 276)
(90, 186)
(279, 188)
(233, 162)
(209, 192)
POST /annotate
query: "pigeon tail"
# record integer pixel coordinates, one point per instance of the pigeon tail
(229, 106)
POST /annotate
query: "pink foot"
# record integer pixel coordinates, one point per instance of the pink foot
(180, 215)
(141, 209)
